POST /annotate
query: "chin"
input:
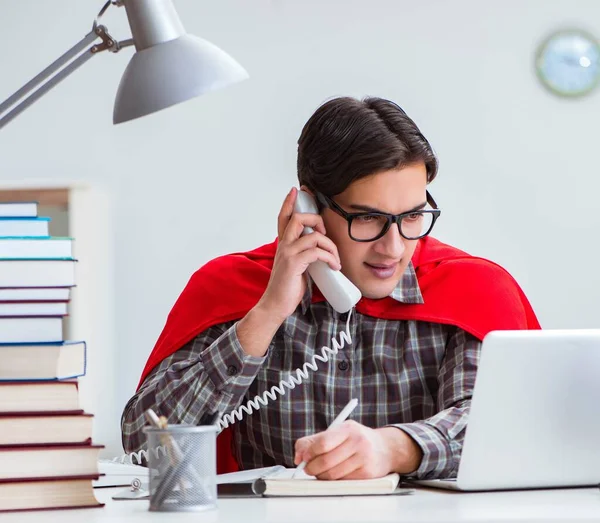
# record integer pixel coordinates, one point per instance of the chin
(377, 292)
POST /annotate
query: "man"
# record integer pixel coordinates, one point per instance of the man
(247, 321)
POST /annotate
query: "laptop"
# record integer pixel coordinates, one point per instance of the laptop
(535, 413)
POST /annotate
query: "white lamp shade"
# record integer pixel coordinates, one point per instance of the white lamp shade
(172, 72)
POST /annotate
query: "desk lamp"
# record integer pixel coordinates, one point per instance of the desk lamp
(168, 67)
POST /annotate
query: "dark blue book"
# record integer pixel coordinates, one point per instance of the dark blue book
(42, 361)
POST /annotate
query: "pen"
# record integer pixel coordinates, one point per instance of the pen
(340, 418)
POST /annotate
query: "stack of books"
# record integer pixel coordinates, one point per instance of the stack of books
(47, 459)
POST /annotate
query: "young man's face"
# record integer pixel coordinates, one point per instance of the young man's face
(376, 267)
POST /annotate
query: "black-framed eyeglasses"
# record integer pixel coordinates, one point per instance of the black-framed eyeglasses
(370, 226)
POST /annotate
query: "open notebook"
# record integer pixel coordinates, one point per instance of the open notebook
(280, 481)
(283, 483)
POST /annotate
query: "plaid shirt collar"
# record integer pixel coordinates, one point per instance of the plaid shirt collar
(407, 290)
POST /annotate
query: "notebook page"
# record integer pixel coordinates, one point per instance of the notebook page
(289, 474)
(248, 476)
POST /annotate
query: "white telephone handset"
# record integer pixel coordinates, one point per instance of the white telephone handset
(338, 290)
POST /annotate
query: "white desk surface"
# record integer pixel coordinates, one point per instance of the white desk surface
(569, 505)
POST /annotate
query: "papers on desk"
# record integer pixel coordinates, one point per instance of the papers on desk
(119, 474)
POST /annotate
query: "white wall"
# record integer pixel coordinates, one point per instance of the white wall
(517, 183)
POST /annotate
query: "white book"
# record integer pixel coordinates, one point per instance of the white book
(50, 247)
(36, 294)
(31, 330)
(24, 226)
(33, 309)
(37, 273)
(18, 209)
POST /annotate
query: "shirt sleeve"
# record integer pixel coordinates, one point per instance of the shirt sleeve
(209, 374)
(441, 436)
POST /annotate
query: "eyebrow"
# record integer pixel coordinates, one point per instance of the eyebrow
(367, 208)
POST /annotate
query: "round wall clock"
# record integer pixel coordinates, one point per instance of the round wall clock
(568, 63)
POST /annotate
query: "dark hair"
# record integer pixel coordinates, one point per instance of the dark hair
(347, 139)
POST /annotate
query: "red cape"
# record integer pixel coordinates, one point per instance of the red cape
(458, 289)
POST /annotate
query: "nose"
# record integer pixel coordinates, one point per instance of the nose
(391, 244)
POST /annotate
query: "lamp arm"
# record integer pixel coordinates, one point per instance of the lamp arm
(107, 43)
(53, 67)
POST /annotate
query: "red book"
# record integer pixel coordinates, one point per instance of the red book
(38, 396)
(49, 461)
(49, 493)
(45, 428)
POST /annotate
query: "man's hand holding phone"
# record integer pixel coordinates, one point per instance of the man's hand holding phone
(294, 254)
(287, 283)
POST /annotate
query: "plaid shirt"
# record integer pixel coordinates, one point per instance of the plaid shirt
(414, 375)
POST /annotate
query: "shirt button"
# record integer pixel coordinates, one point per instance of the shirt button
(232, 370)
(343, 365)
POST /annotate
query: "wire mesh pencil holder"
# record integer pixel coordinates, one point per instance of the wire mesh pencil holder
(183, 470)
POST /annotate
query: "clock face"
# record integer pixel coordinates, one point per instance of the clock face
(568, 63)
